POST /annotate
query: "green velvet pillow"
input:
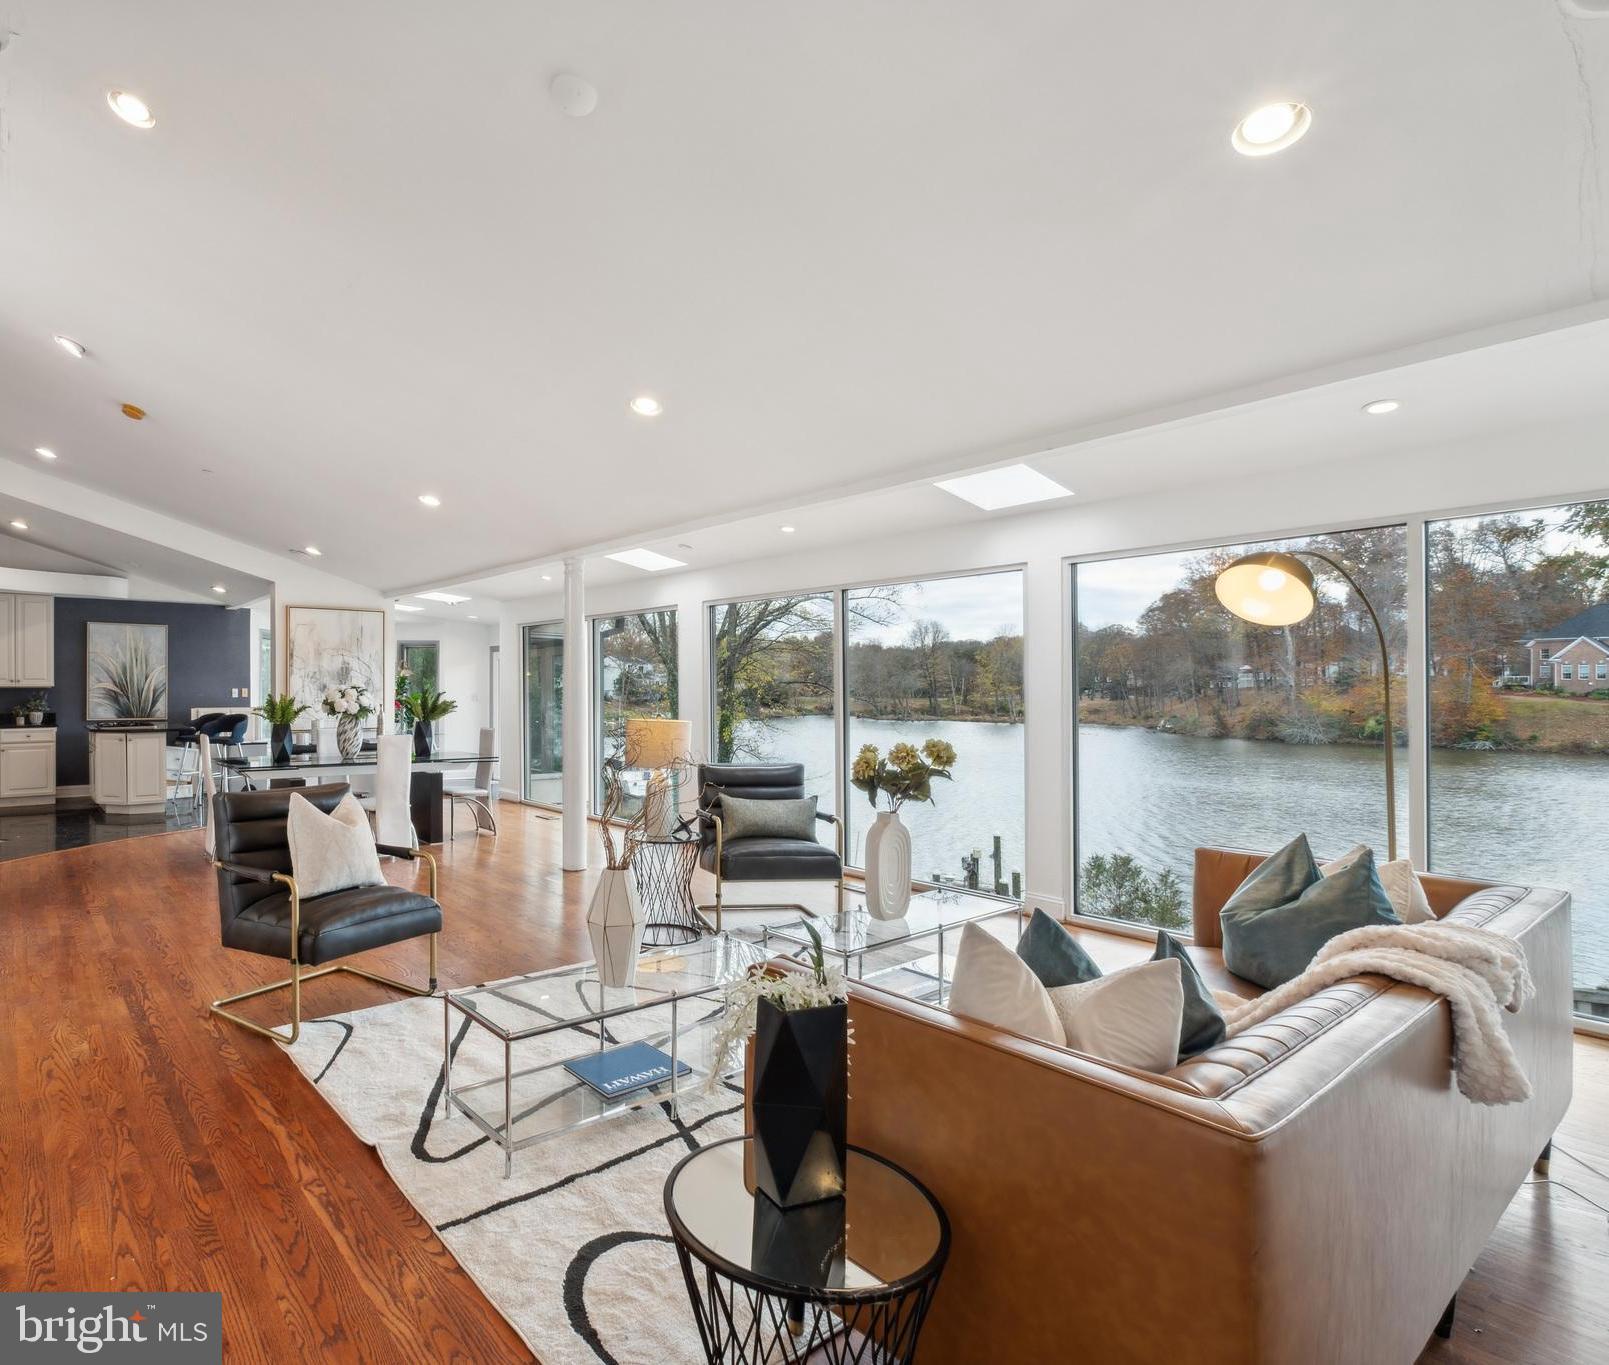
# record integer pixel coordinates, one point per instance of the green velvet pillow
(1203, 1024)
(788, 818)
(1283, 913)
(1053, 955)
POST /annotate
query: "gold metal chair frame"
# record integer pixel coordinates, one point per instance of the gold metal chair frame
(299, 975)
(720, 880)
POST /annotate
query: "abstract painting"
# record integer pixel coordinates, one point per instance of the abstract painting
(126, 669)
(333, 647)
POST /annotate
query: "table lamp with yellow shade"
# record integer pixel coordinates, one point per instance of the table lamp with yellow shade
(658, 746)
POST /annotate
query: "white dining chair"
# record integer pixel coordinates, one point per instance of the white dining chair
(209, 788)
(389, 804)
(476, 792)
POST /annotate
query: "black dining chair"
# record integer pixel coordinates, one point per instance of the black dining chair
(761, 859)
(261, 911)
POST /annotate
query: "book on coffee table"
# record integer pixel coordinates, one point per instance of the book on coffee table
(625, 1069)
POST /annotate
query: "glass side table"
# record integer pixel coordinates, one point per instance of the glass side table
(847, 1281)
(663, 865)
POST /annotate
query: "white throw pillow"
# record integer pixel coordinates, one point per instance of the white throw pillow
(330, 852)
(1131, 1017)
(995, 986)
(1400, 881)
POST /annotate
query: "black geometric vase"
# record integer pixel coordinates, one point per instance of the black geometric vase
(801, 1102)
(424, 739)
(279, 744)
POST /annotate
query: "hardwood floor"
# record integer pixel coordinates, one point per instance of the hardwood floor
(146, 1144)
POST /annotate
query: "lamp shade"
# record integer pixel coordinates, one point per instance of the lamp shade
(1269, 589)
(654, 743)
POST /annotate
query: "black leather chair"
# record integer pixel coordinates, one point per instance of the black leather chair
(261, 911)
(761, 859)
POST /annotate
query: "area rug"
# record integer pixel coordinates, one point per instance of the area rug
(573, 1249)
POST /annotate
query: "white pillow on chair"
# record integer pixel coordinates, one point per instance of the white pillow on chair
(330, 852)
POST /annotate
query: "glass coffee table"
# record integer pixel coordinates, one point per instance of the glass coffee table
(534, 1098)
(893, 954)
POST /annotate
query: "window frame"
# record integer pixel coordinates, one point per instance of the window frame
(595, 694)
(523, 630)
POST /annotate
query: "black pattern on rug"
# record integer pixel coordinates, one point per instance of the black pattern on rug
(575, 1284)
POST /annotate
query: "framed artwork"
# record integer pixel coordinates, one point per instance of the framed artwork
(126, 671)
(334, 647)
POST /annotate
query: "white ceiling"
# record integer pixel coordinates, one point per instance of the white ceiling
(361, 256)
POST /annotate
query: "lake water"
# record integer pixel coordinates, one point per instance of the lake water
(1530, 818)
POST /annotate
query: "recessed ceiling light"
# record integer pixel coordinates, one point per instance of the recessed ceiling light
(130, 108)
(430, 500)
(44, 452)
(646, 405)
(473, 617)
(787, 530)
(219, 587)
(1381, 406)
(312, 550)
(1270, 129)
(1011, 486)
(403, 606)
(651, 560)
(19, 525)
(574, 96)
(452, 599)
(73, 348)
(547, 578)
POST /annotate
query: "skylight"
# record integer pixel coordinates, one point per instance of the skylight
(1011, 486)
(647, 559)
(452, 599)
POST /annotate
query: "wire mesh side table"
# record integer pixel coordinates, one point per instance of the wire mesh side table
(663, 865)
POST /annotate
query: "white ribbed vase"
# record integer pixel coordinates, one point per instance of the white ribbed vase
(888, 867)
(615, 924)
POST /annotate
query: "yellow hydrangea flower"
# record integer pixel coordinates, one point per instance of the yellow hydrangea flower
(939, 753)
(865, 764)
(904, 757)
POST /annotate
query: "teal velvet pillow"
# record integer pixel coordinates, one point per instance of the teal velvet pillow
(1203, 1024)
(787, 818)
(1283, 913)
(1053, 955)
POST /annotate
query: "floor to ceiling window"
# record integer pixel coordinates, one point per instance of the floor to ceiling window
(1197, 728)
(633, 675)
(771, 692)
(542, 773)
(942, 659)
(1518, 620)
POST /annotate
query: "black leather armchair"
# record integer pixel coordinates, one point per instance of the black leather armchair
(761, 859)
(260, 910)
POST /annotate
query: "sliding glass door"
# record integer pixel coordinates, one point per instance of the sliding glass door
(1195, 728)
(1518, 622)
(543, 770)
(941, 659)
(633, 676)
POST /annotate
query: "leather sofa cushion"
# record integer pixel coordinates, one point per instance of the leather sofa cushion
(773, 860)
(336, 925)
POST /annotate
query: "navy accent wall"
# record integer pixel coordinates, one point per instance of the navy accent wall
(209, 653)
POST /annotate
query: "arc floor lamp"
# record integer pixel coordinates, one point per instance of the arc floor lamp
(1276, 589)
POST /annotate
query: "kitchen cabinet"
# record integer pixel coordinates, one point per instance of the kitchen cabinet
(27, 639)
(127, 771)
(27, 766)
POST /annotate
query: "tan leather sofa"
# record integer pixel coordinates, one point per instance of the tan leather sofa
(1313, 1191)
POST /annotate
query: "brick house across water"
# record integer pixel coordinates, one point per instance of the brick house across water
(1573, 655)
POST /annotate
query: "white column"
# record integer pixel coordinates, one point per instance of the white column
(577, 695)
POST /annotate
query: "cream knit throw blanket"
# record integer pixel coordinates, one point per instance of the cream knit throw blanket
(1480, 972)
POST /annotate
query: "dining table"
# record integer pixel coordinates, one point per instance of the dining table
(426, 788)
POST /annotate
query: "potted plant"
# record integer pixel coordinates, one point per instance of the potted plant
(19, 715)
(800, 1024)
(401, 711)
(281, 713)
(350, 706)
(427, 706)
(37, 705)
(906, 774)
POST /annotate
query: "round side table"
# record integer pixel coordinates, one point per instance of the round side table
(847, 1281)
(663, 865)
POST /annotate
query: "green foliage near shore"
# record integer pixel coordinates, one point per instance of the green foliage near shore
(1117, 887)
